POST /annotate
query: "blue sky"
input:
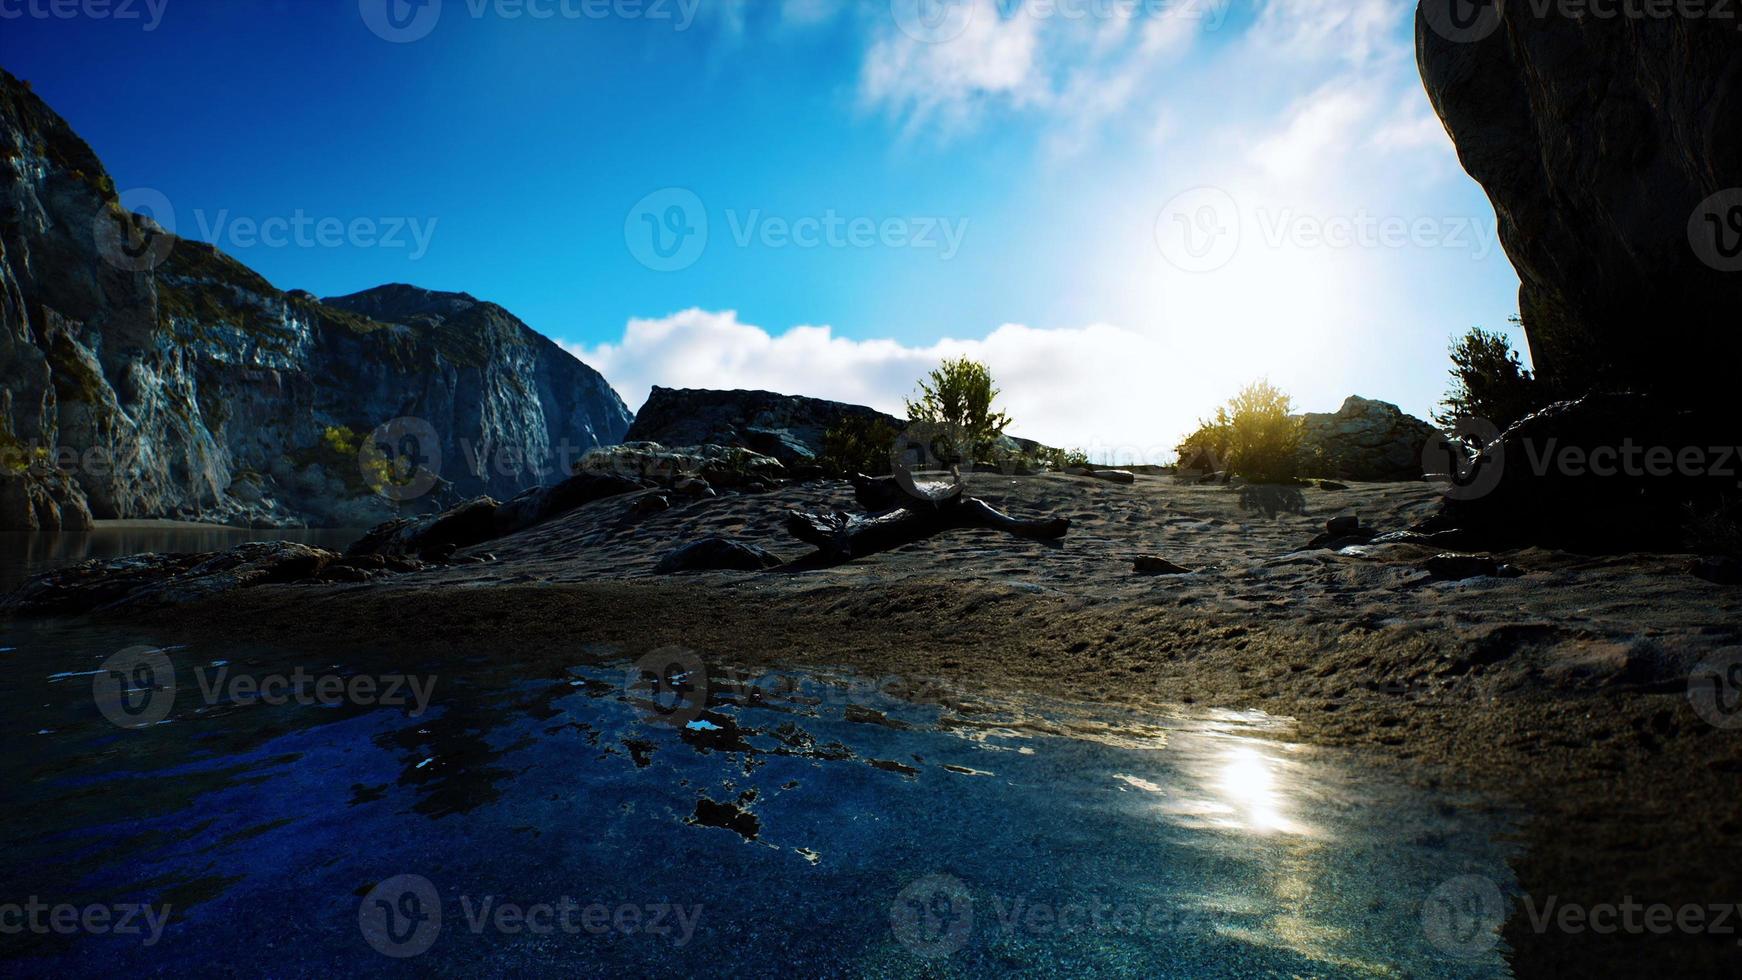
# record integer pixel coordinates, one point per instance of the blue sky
(1128, 207)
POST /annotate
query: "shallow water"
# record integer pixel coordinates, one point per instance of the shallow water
(690, 820)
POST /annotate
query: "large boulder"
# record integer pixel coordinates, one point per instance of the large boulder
(1610, 149)
(1364, 440)
(1604, 473)
(789, 428)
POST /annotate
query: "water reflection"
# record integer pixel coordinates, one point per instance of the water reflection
(1249, 784)
(794, 811)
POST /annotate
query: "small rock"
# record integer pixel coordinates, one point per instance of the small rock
(1332, 485)
(1114, 476)
(1157, 565)
(693, 486)
(1719, 570)
(1340, 533)
(652, 503)
(716, 554)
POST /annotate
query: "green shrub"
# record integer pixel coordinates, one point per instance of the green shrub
(1061, 459)
(1206, 449)
(955, 401)
(858, 444)
(1488, 382)
(1254, 436)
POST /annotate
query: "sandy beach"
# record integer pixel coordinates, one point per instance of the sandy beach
(1562, 691)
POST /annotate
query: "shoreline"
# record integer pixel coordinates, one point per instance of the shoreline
(1564, 759)
(1561, 692)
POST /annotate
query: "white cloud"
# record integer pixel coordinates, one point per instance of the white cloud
(1312, 117)
(1353, 31)
(1117, 393)
(943, 81)
(1083, 65)
(1316, 133)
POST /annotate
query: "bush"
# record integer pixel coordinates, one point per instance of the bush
(1488, 382)
(956, 401)
(1206, 449)
(1254, 436)
(858, 444)
(1062, 459)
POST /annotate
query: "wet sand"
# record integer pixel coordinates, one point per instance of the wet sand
(1563, 691)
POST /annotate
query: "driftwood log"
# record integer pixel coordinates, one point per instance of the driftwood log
(899, 517)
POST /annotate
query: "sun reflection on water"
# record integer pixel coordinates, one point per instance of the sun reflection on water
(1248, 784)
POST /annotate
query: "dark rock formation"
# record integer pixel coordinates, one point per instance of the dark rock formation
(1603, 473)
(481, 519)
(152, 580)
(1717, 569)
(1610, 149)
(1363, 440)
(789, 428)
(151, 376)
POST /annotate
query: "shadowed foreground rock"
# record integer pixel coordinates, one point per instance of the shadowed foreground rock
(483, 519)
(1604, 473)
(145, 581)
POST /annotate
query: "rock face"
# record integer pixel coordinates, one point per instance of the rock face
(1364, 440)
(150, 376)
(1601, 143)
(1604, 473)
(789, 428)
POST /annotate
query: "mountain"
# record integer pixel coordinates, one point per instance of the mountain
(146, 375)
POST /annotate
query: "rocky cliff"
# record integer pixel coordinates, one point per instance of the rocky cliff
(150, 376)
(1611, 150)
